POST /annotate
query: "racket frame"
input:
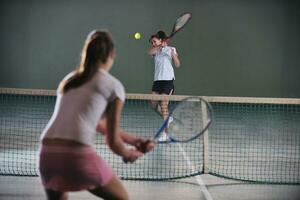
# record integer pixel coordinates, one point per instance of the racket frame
(173, 32)
(165, 123)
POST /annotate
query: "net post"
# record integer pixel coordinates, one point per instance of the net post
(205, 140)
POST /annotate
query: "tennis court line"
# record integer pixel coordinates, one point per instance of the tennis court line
(198, 178)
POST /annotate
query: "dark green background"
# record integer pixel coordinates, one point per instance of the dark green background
(230, 48)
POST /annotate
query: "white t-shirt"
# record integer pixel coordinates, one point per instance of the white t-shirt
(78, 111)
(163, 64)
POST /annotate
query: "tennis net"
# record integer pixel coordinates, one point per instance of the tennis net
(251, 139)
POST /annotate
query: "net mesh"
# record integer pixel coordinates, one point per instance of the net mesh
(250, 139)
(258, 142)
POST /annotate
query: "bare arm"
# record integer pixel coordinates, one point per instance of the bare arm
(113, 137)
(113, 118)
(126, 137)
(175, 58)
(140, 144)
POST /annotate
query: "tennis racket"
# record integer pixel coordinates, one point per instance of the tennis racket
(179, 24)
(189, 119)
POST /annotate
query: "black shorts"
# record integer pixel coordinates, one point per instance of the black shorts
(163, 87)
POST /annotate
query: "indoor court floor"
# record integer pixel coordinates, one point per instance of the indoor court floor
(17, 188)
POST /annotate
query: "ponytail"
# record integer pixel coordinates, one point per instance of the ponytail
(97, 48)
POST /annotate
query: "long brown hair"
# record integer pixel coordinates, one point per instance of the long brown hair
(97, 48)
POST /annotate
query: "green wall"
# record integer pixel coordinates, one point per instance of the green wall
(230, 48)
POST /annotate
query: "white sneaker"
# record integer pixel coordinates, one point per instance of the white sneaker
(163, 138)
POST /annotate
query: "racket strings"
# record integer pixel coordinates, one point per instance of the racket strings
(181, 21)
(190, 118)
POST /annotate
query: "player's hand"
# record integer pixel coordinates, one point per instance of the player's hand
(168, 41)
(143, 145)
(132, 155)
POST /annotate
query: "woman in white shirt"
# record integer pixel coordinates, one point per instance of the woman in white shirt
(89, 99)
(164, 58)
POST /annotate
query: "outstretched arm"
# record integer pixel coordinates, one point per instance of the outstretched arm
(113, 138)
(140, 144)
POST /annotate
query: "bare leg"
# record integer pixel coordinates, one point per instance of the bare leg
(113, 190)
(164, 109)
(155, 105)
(56, 195)
(161, 107)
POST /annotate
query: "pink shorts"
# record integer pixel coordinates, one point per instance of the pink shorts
(65, 168)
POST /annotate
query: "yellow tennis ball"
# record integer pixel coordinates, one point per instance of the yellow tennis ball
(137, 35)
